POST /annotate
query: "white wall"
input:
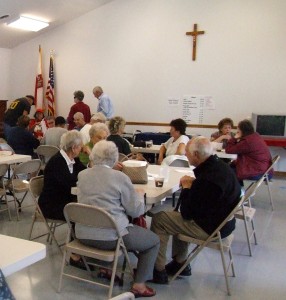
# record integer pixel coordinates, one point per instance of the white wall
(5, 63)
(138, 52)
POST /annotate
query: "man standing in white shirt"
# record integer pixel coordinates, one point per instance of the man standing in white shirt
(104, 102)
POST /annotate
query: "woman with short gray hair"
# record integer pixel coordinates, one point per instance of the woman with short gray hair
(113, 191)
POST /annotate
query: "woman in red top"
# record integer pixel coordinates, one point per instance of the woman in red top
(38, 125)
(253, 155)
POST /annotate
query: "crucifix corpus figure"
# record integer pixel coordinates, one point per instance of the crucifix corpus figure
(194, 34)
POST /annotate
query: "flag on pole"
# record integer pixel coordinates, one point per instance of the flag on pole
(50, 93)
(39, 86)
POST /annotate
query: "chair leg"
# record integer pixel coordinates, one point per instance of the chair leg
(269, 192)
(32, 226)
(253, 232)
(62, 271)
(231, 262)
(247, 236)
(224, 267)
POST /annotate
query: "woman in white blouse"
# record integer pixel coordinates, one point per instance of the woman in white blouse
(177, 143)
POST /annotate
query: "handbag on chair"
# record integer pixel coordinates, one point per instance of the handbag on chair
(136, 171)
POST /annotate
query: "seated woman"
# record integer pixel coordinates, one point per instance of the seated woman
(21, 140)
(60, 175)
(224, 132)
(177, 143)
(97, 132)
(113, 191)
(116, 127)
(253, 155)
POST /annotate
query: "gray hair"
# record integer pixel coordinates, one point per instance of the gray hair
(78, 115)
(70, 139)
(202, 145)
(115, 124)
(97, 89)
(95, 128)
(98, 117)
(104, 153)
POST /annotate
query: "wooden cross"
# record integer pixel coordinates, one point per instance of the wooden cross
(194, 34)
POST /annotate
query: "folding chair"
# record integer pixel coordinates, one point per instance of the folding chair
(45, 152)
(19, 183)
(215, 241)
(3, 170)
(6, 147)
(36, 187)
(92, 216)
(267, 180)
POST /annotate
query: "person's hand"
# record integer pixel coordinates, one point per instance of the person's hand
(186, 182)
(140, 191)
(237, 136)
(226, 137)
(118, 166)
(159, 160)
(86, 149)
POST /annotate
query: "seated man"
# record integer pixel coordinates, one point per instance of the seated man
(205, 201)
(54, 134)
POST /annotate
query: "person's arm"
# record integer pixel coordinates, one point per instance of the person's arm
(221, 138)
(161, 154)
(237, 146)
(181, 150)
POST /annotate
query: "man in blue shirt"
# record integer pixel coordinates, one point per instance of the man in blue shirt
(104, 102)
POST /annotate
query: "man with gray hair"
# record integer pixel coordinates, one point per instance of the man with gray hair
(104, 102)
(204, 203)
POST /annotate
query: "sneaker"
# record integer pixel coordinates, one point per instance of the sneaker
(173, 267)
(160, 277)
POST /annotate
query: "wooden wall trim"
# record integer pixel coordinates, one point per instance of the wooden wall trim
(168, 124)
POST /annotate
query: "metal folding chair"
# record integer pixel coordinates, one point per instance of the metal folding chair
(45, 152)
(36, 187)
(3, 170)
(92, 216)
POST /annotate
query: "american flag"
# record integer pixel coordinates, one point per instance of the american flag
(50, 93)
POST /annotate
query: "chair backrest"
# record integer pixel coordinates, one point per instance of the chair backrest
(274, 161)
(89, 215)
(30, 168)
(6, 147)
(45, 152)
(176, 161)
(122, 157)
(36, 186)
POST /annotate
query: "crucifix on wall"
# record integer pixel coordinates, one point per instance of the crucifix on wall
(194, 34)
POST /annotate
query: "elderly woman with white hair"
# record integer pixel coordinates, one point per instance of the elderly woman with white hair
(60, 175)
(113, 191)
(97, 132)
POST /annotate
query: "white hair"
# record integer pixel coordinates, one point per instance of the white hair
(202, 145)
(99, 116)
(104, 153)
(70, 139)
(95, 128)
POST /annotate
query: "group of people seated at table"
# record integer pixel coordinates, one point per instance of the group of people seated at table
(205, 201)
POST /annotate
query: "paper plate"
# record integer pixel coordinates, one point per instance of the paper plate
(134, 163)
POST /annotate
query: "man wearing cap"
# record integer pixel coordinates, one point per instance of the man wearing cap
(54, 134)
(17, 108)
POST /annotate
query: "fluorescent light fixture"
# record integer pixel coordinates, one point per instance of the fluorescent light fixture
(29, 24)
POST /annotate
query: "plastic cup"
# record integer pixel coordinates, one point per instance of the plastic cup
(159, 181)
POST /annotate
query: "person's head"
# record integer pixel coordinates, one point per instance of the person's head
(116, 125)
(178, 127)
(30, 99)
(60, 121)
(97, 91)
(23, 121)
(225, 125)
(78, 119)
(104, 153)
(78, 96)
(71, 143)
(97, 117)
(98, 132)
(245, 128)
(50, 121)
(198, 150)
(39, 115)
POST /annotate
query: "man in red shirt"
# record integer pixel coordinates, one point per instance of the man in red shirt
(79, 106)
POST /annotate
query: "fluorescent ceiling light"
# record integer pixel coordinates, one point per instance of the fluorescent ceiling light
(29, 24)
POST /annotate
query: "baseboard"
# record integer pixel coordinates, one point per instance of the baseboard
(279, 174)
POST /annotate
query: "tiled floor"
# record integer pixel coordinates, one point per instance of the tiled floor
(259, 277)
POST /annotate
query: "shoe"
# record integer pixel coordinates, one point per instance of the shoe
(173, 267)
(80, 264)
(160, 277)
(147, 293)
(106, 273)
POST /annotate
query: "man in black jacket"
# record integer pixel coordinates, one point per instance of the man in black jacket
(205, 202)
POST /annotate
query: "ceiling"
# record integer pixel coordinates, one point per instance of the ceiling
(56, 12)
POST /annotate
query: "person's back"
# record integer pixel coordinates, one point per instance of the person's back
(21, 140)
(53, 136)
